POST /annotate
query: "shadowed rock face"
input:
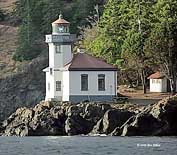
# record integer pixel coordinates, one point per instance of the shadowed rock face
(143, 125)
(22, 89)
(156, 120)
(112, 118)
(55, 118)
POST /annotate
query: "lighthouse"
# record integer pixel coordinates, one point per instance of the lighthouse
(60, 53)
(76, 77)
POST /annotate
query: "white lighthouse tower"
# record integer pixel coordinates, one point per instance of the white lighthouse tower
(60, 54)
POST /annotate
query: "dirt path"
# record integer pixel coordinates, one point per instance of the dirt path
(138, 94)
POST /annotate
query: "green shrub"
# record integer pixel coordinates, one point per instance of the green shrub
(2, 15)
(26, 52)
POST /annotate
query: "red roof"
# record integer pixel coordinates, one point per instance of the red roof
(156, 75)
(60, 21)
(86, 62)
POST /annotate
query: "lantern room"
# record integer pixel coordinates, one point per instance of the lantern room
(60, 26)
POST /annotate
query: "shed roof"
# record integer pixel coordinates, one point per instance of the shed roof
(156, 75)
(86, 62)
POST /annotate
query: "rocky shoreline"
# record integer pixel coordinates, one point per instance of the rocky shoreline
(59, 119)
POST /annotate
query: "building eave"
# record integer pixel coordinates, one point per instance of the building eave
(46, 69)
(92, 69)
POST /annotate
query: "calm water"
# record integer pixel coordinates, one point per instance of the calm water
(88, 145)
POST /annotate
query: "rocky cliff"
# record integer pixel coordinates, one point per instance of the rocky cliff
(55, 118)
(25, 88)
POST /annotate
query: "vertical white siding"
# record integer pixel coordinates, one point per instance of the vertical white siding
(158, 87)
(51, 55)
(55, 59)
(66, 86)
(58, 60)
(50, 79)
(67, 54)
(164, 85)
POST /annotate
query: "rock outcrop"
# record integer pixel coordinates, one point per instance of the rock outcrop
(112, 118)
(56, 118)
(156, 120)
(25, 88)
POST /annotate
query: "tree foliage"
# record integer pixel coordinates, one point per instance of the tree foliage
(138, 34)
(119, 39)
(163, 39)
(35, 18)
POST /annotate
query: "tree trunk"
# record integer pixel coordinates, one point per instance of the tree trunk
(173, 85)
(143, 80)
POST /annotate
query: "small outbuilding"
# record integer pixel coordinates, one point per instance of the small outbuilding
(158, 82)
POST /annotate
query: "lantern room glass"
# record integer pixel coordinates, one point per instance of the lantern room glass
(63, 28)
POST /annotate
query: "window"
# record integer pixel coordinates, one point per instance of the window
(156, 81)
(84, 82)
(101, 82)
(58, 85)
(63, 29)
(51, 71)
(58, 49)
(48, 86)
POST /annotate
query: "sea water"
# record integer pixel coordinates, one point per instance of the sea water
(83, 145)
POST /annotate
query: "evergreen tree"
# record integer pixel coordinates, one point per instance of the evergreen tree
(29, 31)
(106, 43)
(133, 50)
(120, 38)
(163, 40)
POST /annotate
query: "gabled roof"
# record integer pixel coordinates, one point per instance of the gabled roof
(157, 75)
(86, 62)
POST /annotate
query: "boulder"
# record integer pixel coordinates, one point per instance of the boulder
(17, 123)
(44, 124)
(42, 106)
(95, 111)
(143, 125)
(112, 118)
(20, 130)
(156, 120)
(76, 125)
(43, 120)
(74, 110)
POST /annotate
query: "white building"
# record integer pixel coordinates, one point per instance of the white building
(76, 77)
(159, 83)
